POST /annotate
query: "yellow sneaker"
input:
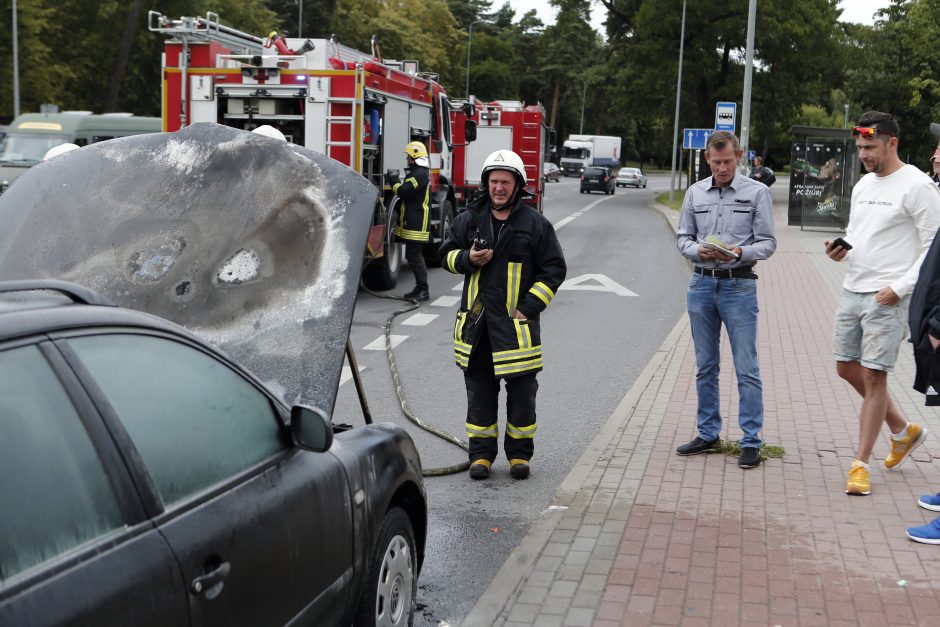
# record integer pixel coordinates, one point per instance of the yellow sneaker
(900, 449)
(859, 481)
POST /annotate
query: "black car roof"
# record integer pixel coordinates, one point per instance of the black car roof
(43, 306)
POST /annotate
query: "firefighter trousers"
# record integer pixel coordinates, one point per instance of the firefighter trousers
(483, 409)
(414, 254)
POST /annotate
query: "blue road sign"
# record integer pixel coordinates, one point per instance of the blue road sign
(726, 114)
(751, 154)
(695, 138)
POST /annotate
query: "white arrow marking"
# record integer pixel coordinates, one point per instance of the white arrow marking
(603, 284)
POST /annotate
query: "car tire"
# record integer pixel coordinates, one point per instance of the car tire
(431, 258)
(391, 583)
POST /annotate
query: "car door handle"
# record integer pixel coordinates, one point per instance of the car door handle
(209, 580)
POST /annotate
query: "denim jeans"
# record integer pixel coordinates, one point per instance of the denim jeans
(733, 302)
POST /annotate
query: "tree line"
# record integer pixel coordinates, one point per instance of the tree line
(98, 55)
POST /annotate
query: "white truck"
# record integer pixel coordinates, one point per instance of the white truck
(581, 151)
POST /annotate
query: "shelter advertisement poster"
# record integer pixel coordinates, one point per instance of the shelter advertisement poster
(817, 184)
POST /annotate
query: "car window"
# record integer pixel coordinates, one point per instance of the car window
(54, 495)
(194, 421)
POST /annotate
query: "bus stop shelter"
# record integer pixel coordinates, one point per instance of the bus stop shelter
(824, 168)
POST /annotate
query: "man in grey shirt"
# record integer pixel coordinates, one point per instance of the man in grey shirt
(738, 211)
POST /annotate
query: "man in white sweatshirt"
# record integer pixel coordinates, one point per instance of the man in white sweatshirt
(895, 213)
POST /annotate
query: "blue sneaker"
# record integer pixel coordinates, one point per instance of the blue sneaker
(928, 534)
(930, 501)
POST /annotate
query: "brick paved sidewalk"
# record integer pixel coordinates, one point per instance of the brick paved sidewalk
(640, 536)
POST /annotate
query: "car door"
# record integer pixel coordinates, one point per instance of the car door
(262, 530)
(75, 546)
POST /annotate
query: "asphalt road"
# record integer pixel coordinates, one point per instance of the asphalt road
(624, 292)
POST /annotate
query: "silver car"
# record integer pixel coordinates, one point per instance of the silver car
(631, 176)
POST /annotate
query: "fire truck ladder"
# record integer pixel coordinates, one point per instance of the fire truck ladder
(201, 29)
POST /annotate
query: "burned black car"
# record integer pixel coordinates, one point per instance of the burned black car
(161, 475)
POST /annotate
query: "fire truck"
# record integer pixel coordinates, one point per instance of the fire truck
(354, 107)
(500, 124)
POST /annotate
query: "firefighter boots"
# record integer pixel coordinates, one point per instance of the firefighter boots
(480, 469)
(519, 468)
(418, 294)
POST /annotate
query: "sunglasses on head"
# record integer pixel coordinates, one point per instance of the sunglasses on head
(869, 131)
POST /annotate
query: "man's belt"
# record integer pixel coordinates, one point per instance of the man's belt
(743, 272)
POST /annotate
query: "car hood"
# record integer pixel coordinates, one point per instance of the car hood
(252, 243)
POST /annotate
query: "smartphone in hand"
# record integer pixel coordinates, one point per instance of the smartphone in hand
(841, 243)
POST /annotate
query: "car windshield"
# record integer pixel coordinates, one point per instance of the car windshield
(594, 171)
(548, 167)
(27, 148)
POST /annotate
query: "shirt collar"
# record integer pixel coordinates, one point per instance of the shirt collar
(733, 184)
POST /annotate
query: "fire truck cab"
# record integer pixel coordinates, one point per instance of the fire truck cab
(499, 125)
(351, 106)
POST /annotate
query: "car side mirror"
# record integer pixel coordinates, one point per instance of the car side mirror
(310, 428)
(469, 131)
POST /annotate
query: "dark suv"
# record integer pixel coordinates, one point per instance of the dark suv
(151, 481)
(598, 179)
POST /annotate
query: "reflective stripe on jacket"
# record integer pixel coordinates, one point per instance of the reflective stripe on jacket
(526, 270)
(415, 194)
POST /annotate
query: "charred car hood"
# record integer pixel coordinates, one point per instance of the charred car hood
(252, 243)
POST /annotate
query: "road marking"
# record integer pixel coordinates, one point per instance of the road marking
(446, 301)
(458, 287)
(579, 213)
(379, 343)
(602, 284)
(347, 374)
(419, 320)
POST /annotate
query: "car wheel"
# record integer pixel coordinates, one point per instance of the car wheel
(391, 579)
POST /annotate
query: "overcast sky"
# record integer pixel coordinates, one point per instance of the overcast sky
(861, 11)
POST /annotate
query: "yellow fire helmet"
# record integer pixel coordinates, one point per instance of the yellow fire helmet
(415, 150)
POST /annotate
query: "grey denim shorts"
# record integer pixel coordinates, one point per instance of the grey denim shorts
(867, 332)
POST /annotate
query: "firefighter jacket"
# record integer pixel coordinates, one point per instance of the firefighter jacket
(415, 194)
(526, 270)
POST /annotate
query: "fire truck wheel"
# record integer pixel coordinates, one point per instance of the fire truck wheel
(381, 273)
(430, 251)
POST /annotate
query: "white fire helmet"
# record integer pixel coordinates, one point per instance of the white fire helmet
(269, 131)
(504, 160)
(61, 149)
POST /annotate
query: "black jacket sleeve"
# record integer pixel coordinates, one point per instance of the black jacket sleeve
(550, 273)
(454, 253)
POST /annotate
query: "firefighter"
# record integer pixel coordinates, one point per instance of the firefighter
(412, 227)
(512, 265)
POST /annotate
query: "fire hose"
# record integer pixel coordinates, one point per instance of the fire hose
(396, 379)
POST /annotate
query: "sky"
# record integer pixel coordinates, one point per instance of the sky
(860, 11)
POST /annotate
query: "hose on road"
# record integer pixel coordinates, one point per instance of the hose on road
(396, 379)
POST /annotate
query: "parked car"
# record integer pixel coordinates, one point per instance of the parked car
(157, 482)
(174, 460)
(631, 176)
(597, 179)
(551, 172)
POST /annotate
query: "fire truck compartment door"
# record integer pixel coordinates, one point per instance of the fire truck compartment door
(395, 133)
(489, 140)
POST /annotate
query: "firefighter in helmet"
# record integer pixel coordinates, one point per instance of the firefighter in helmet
(512, 265)
(412, 227)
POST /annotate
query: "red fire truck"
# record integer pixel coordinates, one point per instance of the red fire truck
(500, 124)
(354, 107)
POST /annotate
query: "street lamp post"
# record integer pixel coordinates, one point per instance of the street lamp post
(16, 67)
(846, 115)
(675, 128)
(583, 95)
(469, 39)
(748, 72)
(300, 17)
